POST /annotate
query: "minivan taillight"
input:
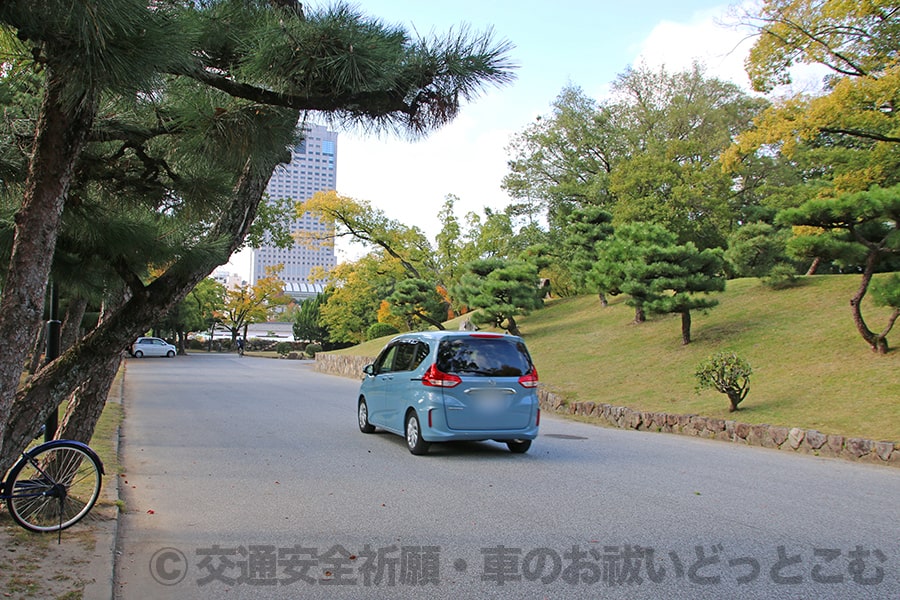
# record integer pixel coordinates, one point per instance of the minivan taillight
(529, 379)
(435, 378)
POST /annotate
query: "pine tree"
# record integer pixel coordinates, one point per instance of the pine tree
(676, 279)
(500, 290)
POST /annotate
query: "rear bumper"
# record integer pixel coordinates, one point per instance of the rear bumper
(441, 434)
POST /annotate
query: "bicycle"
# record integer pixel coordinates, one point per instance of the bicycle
(53, 486)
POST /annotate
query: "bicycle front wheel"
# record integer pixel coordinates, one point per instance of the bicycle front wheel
(54, 487)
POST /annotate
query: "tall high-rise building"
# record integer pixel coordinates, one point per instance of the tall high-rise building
(313, 168)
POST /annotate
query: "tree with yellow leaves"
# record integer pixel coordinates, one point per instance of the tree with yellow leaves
(843, 141)
(853, 126)
(255, 303)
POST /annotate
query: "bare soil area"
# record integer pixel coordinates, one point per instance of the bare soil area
(36, 566)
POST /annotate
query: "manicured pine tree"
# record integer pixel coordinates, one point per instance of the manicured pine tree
(676, 279)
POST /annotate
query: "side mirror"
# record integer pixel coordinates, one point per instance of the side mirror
(369, 370)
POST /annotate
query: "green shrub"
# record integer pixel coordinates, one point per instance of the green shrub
(377, 330)
(283, 348)
(312, 349)
(781, 276)
(728, 373)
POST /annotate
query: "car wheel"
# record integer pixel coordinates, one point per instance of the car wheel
(414, 440)
(170, 354)
(519, 446)
(138, 354)
(363, 417)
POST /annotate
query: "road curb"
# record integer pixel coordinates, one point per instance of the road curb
(100, 575)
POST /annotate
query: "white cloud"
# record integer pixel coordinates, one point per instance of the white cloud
(713, 38)
(409, 180)
(704, 39)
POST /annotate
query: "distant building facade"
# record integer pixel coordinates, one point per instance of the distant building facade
(231, 281)
(313, 168)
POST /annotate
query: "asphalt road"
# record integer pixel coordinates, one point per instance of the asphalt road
(248, 478)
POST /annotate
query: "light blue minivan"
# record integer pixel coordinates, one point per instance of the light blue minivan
(439, 386)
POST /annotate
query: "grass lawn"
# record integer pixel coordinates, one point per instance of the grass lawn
(811, 368)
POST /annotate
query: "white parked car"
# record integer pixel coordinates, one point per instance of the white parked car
(151, 346)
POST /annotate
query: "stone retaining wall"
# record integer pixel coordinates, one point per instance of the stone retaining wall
(805, 441)
(343, 365)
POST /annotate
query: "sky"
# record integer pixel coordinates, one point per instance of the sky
(556, 44)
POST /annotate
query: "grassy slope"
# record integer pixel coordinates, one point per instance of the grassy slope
(811, 368)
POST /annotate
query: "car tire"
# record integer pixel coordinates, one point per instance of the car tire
(362, 415)
(518, 446)
(170, 354)
(413, 430)
(138, 354)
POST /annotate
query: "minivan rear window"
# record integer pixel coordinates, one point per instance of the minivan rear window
(489, 357)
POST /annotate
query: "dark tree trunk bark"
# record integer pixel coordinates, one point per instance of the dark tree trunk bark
(639, 315)
(878, 342)
(37, 353)
(60, 134)
(603, 301)
(512, 327)
(814, 266)
(87, 403)
(685, 328)
(427, 319)
(71, 326)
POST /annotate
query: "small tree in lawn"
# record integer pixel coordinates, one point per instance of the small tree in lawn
(501, 290)
(661, 276)
(725, 372)
(619, 256)
(671, 278)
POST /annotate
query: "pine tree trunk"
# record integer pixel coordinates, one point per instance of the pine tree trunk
(639, 315)
(37, 353)
(60, 133)
(878, 343)
(813, 267)
(686, 328)
(71, 326)
(603, 302)
(512, 327)
(87, 403)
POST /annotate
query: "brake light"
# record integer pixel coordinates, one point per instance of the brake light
(529, 379)
(435, 378)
